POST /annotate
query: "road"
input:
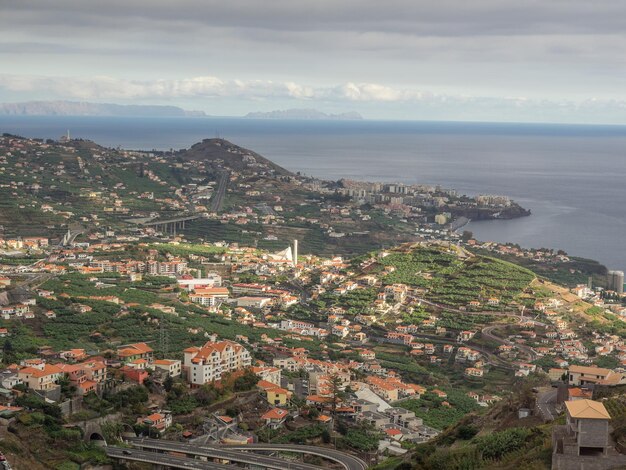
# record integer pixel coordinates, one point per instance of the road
(22, 291)
(487, 332)
(492, 359)
(294, 285)
(242, 453)
(218, 198)
(347, 461)
(173, 220)
(219, 452)
(546, 403)
(162, 459)
(466, 312)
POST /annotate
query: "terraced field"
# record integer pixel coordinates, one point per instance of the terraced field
(453, 281)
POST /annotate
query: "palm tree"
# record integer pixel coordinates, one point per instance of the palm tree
(336, 392)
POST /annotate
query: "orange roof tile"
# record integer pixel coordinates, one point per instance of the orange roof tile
(275, 413)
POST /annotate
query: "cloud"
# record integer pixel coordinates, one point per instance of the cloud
(102, 88)
(441, 18)
(373, 100)
(210, 87)
(556, 48)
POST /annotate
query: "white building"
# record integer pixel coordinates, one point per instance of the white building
(170, 366)
(190, 284)
(253, 302)
(208, 363)
(210, 296)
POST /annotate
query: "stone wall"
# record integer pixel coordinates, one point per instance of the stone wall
(593, 433)
(572, 462)
(69, 407)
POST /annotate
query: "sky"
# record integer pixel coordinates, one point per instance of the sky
(479, 60)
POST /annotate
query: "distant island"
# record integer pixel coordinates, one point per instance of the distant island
(303, 114)
(76, 108)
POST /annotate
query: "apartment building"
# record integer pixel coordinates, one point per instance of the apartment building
(41, 377)
(170, 366)
(132, 352)
(208, 363)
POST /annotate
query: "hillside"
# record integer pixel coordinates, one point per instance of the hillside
(232, 156)
(495, 440)
(227, 193)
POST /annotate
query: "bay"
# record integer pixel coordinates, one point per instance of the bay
(572, 177)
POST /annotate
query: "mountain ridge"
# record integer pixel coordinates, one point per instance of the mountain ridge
(84, 108)
(303, 113)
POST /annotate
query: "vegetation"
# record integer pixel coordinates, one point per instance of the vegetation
(456, 282)
(41, 424)
(434, 413)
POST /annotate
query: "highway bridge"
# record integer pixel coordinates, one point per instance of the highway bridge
(220, 453)
(161, 460)
(347, 461)
(170, 225)
(249, 454)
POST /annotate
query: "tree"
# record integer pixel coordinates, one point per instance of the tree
(8, 353)
(67, 389)
(336, 392)
(245, 382)
(168, 383)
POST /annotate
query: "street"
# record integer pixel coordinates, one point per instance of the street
(546, 403)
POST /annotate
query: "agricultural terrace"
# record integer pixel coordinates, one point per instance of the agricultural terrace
(134, 319)
(451, 280)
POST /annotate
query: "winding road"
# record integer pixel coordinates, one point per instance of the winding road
(546, 402)
(347, 461)
(487, 332)
(246, 454)
(173, 461)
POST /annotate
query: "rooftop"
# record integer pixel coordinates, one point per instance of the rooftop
(587, 409)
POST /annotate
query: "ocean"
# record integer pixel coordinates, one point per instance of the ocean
(572, 177)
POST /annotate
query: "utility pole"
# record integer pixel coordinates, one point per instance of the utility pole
(164, 335)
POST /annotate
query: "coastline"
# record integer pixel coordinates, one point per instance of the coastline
(458, 224)
(578, 211)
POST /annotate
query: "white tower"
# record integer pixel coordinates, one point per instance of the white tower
(295, 253)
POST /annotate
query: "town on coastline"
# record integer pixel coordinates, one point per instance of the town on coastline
(196, 303)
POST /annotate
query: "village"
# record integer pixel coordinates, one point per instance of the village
(236, 194)
(325, 339)
(228, 313)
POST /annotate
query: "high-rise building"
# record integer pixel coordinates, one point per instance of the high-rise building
(615, 281)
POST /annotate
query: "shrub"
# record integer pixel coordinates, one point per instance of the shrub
(466, 432)
(494, 446)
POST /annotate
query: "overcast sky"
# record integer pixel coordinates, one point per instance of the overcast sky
(522, 60)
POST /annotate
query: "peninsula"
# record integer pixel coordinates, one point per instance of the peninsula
(311, 114)
(79, 108)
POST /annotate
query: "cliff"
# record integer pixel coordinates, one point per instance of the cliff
(75, 108)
